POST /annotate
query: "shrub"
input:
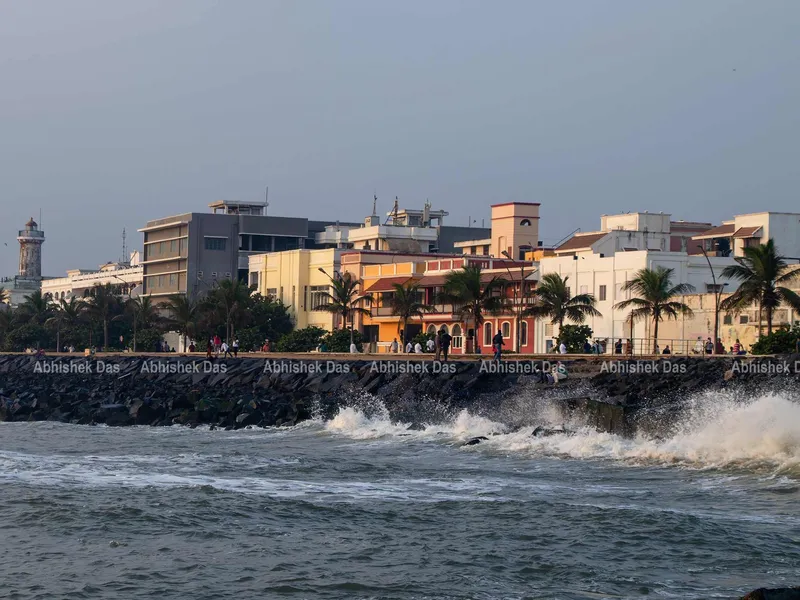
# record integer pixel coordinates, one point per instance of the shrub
(30, 335)
(146, 340)
(574, 337)
(301, 340)
(780, 341)
(250, 339)
(338, 340)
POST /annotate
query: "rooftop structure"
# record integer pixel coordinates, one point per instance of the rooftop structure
(743, 231)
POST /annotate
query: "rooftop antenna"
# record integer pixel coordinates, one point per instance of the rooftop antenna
(124, 246)
(266, 201)
(374, 205)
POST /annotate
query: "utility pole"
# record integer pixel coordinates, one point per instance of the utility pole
(717, 297)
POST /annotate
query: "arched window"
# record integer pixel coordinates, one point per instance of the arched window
(525, 223)
(446, 328)
(487, 334)
(506, 329)
(523, 333)
(456, 330)
(432, 329)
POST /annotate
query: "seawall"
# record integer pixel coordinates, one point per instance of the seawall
(619, 396)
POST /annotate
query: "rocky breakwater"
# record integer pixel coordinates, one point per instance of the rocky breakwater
(235, 393)
(650, 397)
(618, 396)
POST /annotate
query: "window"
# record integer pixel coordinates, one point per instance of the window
(523, 333)
(173, 246)
(744, 319)
(727, 320)
(173, 279)
(548, 330)
(487, 334)
(525, 223)
(446, 328)
(506, 329)
(431, 329)
(162, 248)
(272, 292)
(212, 243)
(183, 245)
(601, 295)
(318, 295)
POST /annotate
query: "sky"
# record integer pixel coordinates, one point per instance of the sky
(115, 113)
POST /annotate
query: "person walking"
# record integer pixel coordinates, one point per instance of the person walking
(618, 347)
(235, 348)
(217, 345)
(497, 345)
(409, 348)
(709, 346)
(417, 348)
(437, 343)
(225, 349)
(393, 347)
(562, 348)
(445, 339)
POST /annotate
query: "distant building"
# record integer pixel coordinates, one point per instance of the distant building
(743, 231)
(404, 230)
(189, 253)
(514, 232)
(125, 277)
(29, 275)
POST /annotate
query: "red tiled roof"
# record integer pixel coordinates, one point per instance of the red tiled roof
(746, 232)
(579, 242)
(432, 281)
(386, 284)
(721, 231)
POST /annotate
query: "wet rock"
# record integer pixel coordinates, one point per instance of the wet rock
(475, 441)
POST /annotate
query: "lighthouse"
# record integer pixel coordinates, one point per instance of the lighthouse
(30, 251)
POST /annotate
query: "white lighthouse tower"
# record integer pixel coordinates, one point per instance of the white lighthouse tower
(30, 251)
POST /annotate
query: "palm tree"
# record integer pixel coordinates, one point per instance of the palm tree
(142, 310)
(67, 313)
(471, 297)
(344, 299)
(3, 294)
(655, 298)
(103, 305)
(183, 313)
(552, 299)
(36, 308)
(405, 303)
(231, 296)
(761, 272)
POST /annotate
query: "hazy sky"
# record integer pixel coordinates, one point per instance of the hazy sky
(113, 113)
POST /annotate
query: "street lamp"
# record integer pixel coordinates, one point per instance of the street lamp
(717, 296)
(518, 306)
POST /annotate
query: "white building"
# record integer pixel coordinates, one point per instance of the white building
(601, 262)
(126, 277)
(754, 229)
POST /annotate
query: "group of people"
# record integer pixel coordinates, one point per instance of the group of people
(709, 347)
(217, 346)
(439, 344)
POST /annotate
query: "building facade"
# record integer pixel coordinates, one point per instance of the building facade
(126, 278)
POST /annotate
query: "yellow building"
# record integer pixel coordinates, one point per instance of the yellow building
(298, 278)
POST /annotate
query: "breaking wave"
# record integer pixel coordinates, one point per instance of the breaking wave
(716, 431)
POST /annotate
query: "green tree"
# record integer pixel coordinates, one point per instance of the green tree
(35, 309)
(27, 335)
(183, 313)
(142, 312)
(471, 297)
(270, 317)
(406, 303)
(67, 314)
(301, 340)
(339, 340)
(781, 341)
(345, 300)
(762, 274)
(574, 337)
(552, 299)
(232, 299)
(103, 304)
(655, 293)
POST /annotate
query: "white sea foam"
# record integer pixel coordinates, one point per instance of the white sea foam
(716, 432)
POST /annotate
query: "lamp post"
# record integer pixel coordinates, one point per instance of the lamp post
(517, 305)
(717, 296)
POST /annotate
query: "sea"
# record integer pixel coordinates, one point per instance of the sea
(361, 506)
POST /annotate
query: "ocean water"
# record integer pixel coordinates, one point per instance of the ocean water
(361, 507)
